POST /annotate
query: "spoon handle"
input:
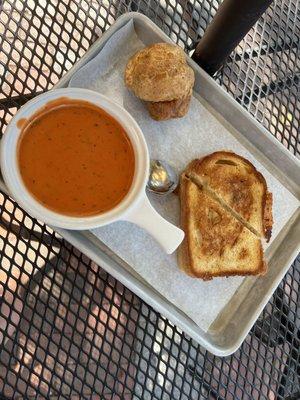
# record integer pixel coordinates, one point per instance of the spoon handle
(165, 233)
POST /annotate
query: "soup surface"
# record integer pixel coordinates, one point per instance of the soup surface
(75, 158)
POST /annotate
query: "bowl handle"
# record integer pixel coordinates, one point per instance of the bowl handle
(145, 216)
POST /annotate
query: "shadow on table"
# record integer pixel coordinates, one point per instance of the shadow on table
(66, 326)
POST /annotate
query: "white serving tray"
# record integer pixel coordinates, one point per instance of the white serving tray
(232, 325)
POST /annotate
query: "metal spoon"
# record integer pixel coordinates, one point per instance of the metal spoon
(162, 178)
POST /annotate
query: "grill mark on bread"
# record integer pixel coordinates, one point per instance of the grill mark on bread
(243, 254)
(226, 162)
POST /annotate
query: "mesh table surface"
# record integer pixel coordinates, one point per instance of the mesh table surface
(67, 328)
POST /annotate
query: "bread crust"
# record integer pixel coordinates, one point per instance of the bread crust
(159, 73)
(268, 215)
(183, 254)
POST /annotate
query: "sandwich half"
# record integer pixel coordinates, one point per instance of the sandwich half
(225, 210)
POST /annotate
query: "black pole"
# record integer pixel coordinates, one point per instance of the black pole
(232, 21)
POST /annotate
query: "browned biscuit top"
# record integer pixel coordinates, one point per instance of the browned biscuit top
(159, 73)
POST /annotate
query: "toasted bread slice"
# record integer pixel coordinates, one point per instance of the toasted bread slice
(216, 243)
(238, 186)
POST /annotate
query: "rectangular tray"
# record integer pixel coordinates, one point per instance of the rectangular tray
(234, 322)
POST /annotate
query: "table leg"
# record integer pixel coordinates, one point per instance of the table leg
(232, 21)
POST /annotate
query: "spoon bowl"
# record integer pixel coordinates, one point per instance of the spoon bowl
(162, 178)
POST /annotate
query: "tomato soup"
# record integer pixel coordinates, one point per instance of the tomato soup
(76, 159)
